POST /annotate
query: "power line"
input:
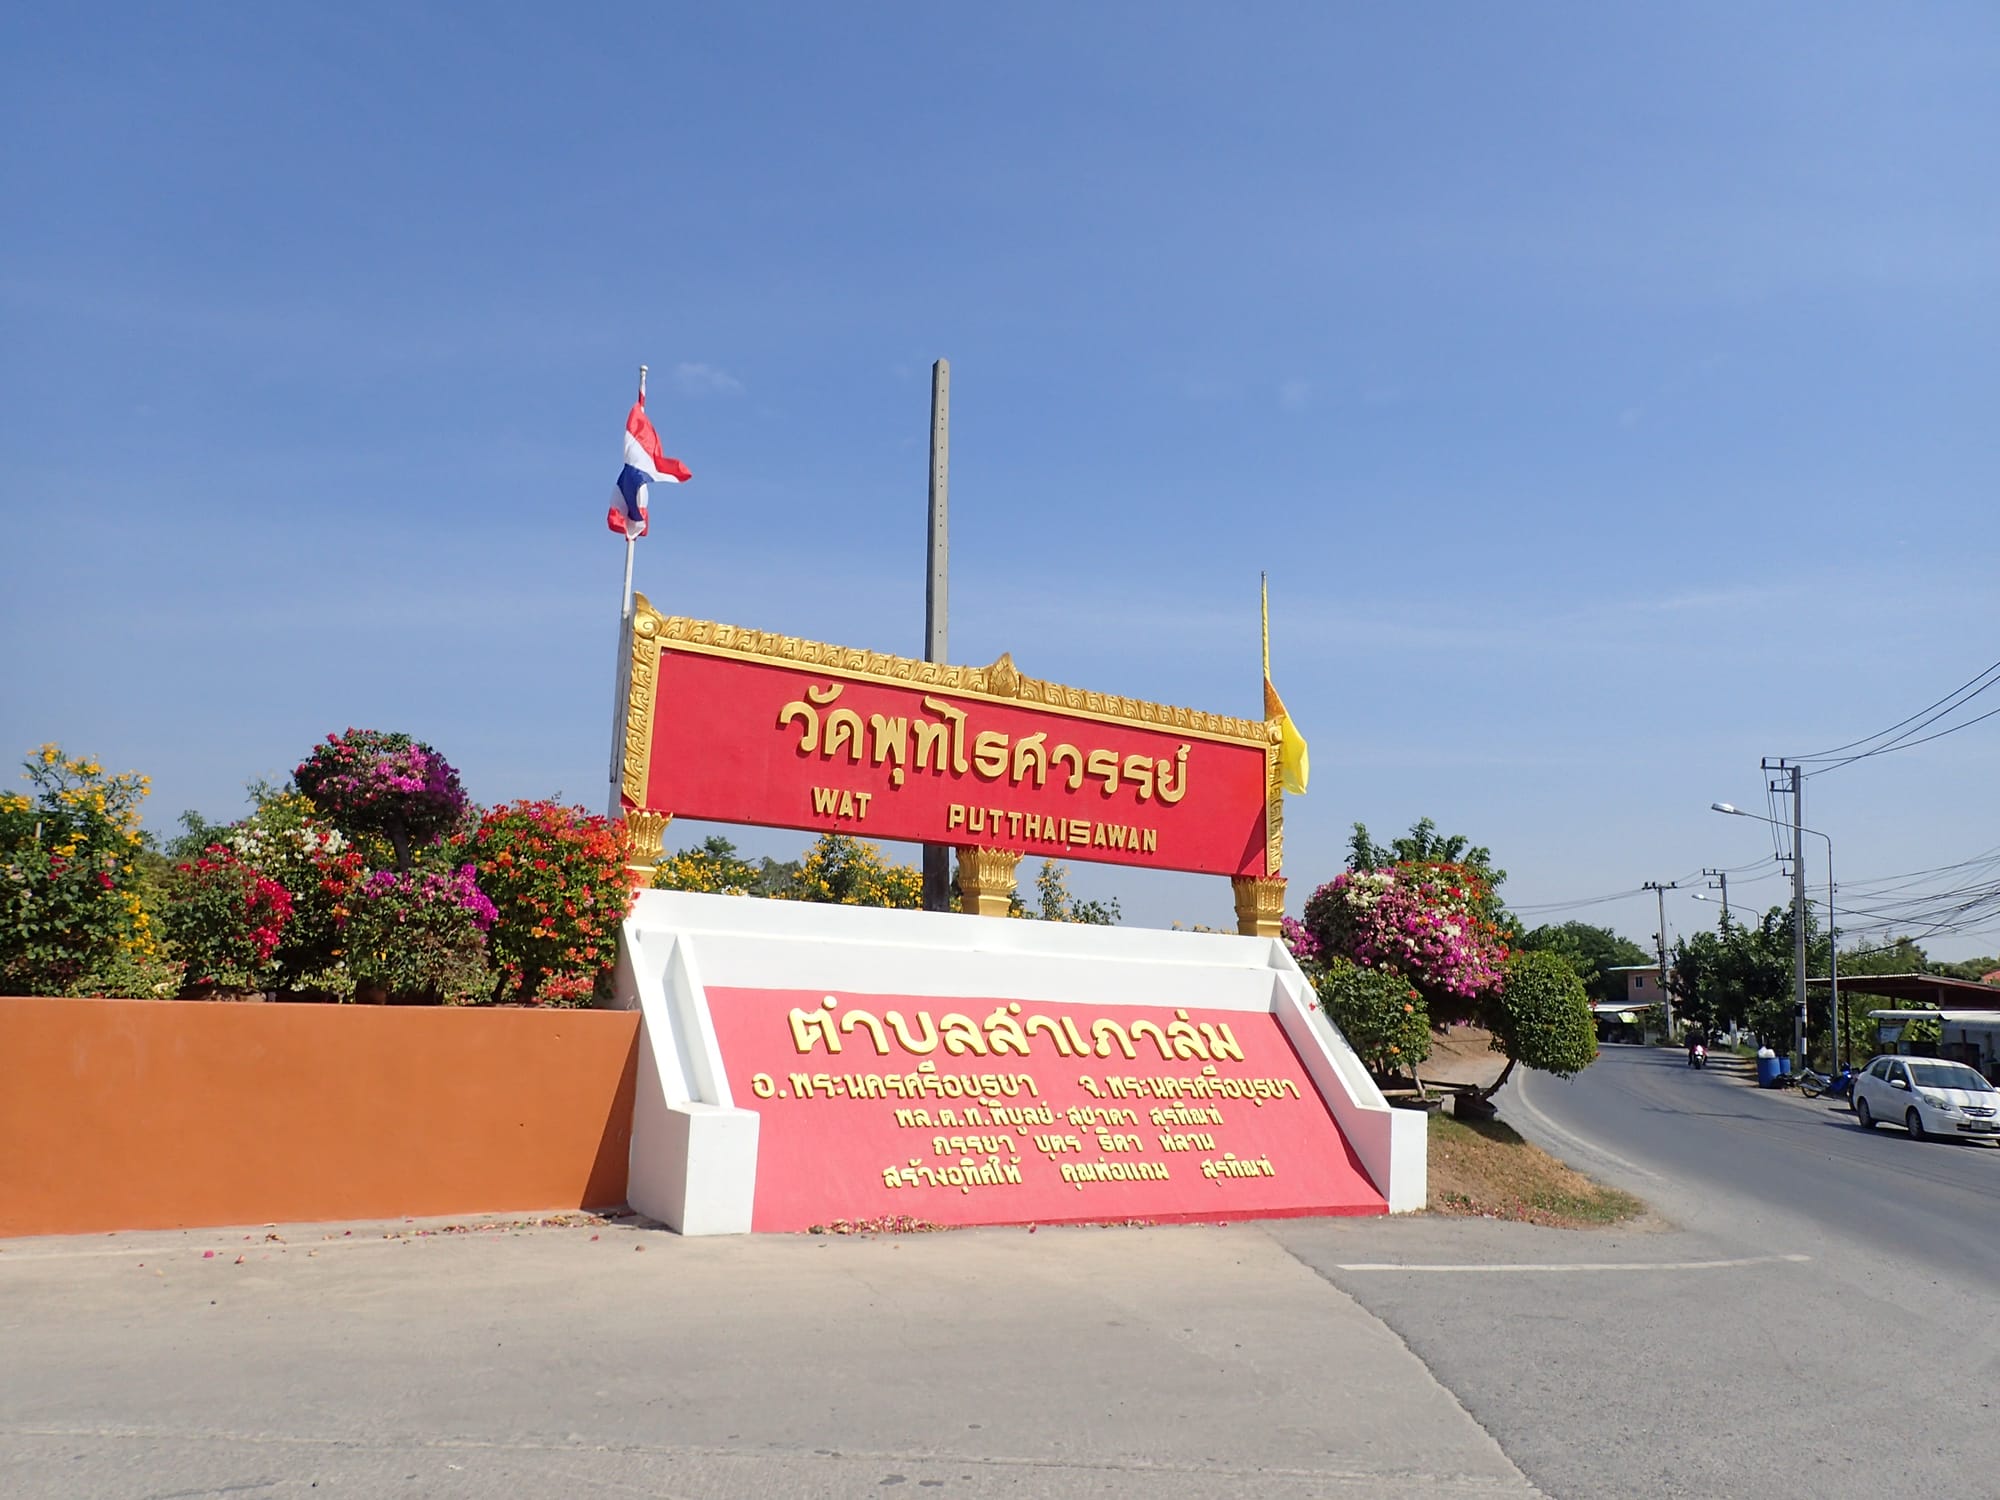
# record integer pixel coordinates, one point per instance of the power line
(1902, 735)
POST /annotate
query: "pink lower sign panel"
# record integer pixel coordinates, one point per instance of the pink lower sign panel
(952, 1111)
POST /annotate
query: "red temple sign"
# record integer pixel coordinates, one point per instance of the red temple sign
(738, 726)
(875, 1106)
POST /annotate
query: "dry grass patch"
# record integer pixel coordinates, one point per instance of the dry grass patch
(1483, 1169)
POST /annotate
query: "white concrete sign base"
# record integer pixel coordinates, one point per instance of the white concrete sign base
(695, 1146)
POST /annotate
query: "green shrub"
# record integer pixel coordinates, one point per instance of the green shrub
(1381, 1016)
(1541, 1016)
(70, 900)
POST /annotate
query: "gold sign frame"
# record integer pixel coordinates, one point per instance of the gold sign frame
(1001, 682)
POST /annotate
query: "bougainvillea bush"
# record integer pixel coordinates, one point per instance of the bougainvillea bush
(421, 935)
(368, 782)
(1421, 920)
(225, 920)
(1382, 1018)
(1301, 944)
(556, 876)
(73, 919)
(319, 867)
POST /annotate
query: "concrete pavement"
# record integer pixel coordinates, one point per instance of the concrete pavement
(610, 1359)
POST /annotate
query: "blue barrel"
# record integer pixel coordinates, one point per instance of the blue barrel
(1785, 1066)
(1767, 1072)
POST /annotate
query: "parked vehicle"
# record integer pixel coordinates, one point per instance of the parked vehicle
(1928, 1097)
(1840, 1086)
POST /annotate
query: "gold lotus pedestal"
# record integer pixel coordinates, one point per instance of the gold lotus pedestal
(986, 879)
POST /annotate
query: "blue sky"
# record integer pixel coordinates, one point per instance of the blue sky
(1609, 395)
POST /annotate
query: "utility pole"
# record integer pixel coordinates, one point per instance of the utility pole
(1795, 783)
(937, 857)
(1666, 993)
(1722, 883)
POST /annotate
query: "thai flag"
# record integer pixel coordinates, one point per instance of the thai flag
(644, 465)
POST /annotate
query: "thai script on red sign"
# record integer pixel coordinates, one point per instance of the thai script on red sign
(793, 747)
(959, 1112)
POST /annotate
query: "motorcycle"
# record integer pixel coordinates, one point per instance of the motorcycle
(1840, 1086)
(1698, 1056)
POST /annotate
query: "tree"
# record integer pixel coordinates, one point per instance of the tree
(1055, 904)
(368, 782)
(1592, 951)
(1858, 1004)
(1964, 968)
(846, 871)
(712, 866)
(1741, 974)
(1423, 844)
(1540, 1018)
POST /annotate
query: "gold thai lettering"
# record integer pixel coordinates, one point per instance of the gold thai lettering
(1198, 1140)
(1009, 1030)
(1259, 1091)
(1139, 771)
(1081, 1172)
(816, 698)
(989, 754)
(762, 1085)
(946, 744)
(889, 742)
(934, 739)
(977, 1104)
(1091, 1115)
(811, 1027)
(1103, 764)
(1230, 1166)
(954, 1145)
(965, 1175)
(1180, 1114)
(1108, 1034)
(1108, 1142)
(1056, 1145)
(1031, 757)
(1075, 758)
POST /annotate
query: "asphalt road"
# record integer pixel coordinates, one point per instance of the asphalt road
(1933, 1202)
(1816, 1311)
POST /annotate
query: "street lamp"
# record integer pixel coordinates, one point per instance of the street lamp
(1832, 938)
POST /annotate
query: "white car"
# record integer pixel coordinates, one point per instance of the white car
(1928, 1096)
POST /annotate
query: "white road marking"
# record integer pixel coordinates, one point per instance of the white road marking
(1575, 1142)
(1585, 1265)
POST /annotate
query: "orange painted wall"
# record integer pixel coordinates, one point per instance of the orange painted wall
(148, 1114)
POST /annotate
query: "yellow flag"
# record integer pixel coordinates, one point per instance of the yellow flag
(1293, 762)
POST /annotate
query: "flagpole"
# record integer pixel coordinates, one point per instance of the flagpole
(1264, 590)
(621, 690)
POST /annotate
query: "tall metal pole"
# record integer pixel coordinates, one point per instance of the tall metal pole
(1722, 882)
(1832, 957)
(937, 857)
(1799, 912)
(621, 676)
(1660, 937)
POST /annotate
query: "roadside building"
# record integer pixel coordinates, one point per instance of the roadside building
(1638, 1017)
(1967, 1013)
